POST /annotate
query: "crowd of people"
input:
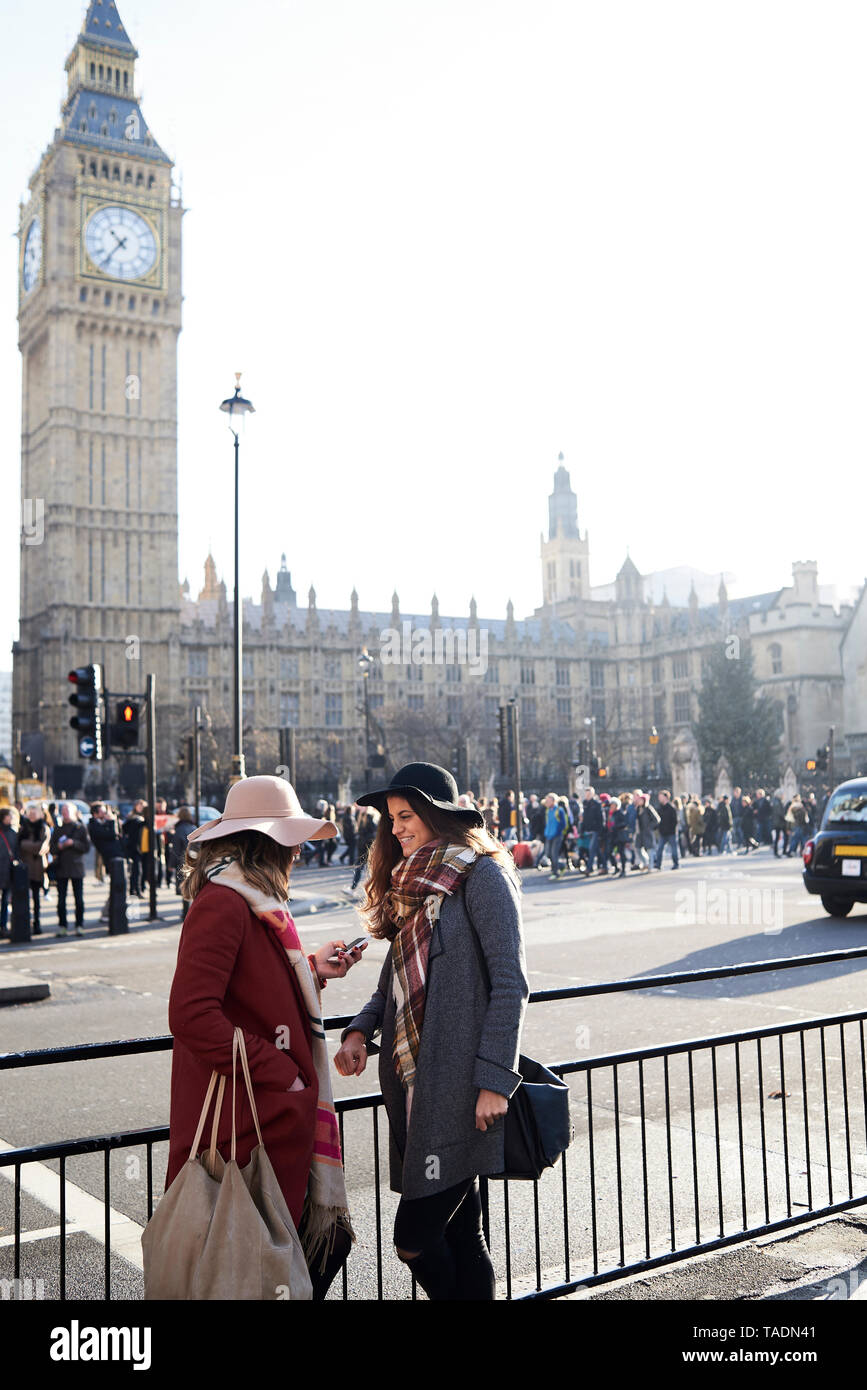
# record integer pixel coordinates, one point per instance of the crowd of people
(589, 832)
(631, 831)
(52, 842)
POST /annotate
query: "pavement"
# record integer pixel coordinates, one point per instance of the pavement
(824, 1261)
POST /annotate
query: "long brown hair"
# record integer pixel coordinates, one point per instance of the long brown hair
(385, 852)
(264, 863)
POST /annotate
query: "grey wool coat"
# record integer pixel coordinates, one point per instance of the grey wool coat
(469, 1039)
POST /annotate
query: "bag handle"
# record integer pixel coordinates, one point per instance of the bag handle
(218, 1108)
(201, 1125)
(238, 1045)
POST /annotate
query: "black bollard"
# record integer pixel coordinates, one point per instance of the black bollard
(117, 922)
(20, 924)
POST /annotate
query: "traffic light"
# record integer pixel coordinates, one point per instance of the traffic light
(88, 722)
(822, 758)
(125, 729)
(460, 766)
(186, 757)
(602, 772)
(811, 764)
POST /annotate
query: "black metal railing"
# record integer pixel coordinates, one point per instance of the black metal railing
(679, 1149)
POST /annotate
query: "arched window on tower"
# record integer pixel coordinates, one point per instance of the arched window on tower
(139, 179)
(115, 173)
(776, 658)
(104, 170)
(150, 180)
(127, 175)
(125, 81)
(93, 72)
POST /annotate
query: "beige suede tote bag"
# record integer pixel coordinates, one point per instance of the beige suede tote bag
(223, 1232)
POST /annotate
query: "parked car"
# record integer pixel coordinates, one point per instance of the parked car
(836, 856)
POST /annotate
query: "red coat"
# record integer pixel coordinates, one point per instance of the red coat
(232, 970)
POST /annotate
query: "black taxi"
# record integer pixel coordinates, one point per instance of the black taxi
(835, 859)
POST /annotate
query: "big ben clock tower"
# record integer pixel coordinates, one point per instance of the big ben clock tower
(99, 287)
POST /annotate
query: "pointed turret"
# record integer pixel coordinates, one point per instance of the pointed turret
(283, 591)
(628, 582)
(211, 588)
(693, 603)
(267, 600)
(101, 111)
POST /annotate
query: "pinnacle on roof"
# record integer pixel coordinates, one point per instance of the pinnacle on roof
(103, 24)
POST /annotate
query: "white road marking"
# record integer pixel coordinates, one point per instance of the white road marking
(28, 1236)
(84, 1213)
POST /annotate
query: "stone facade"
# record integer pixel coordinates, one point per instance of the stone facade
(628, 664)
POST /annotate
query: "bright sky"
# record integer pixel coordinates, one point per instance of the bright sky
(446, 239)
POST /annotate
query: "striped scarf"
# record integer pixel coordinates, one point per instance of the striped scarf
(326, 1204)
(418, 885)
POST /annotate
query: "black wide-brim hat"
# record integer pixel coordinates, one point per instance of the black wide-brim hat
(434, 784)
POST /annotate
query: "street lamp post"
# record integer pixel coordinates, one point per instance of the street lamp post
(237, 408)
(365, 662)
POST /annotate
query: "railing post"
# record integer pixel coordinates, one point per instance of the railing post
(117, 922)
(20, 924)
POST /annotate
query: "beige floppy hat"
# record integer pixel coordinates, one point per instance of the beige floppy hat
(269, 805)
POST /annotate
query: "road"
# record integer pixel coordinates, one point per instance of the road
(711, 912)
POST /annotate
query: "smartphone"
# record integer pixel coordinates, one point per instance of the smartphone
(350, 946)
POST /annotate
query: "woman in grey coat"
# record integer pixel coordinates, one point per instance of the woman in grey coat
(449, 1008)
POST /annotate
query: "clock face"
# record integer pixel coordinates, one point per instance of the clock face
(120, 243)
(32, 255)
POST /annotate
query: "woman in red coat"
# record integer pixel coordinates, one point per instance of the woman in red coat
(240, 963)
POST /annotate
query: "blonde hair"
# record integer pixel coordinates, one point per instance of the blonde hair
(265, 864)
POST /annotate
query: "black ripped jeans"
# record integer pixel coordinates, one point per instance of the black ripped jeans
(446, 1228)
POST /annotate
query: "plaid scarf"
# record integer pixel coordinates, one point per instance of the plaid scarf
(418, 885)
(326, 1204)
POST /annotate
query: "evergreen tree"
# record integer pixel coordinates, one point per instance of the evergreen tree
(735, 721)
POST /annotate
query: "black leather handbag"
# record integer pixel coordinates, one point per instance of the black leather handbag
(538, 1127)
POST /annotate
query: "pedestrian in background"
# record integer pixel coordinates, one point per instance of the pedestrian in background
(34, 839)
(667, 830)
(619, 834)
(106, 838)
(131, 832)
(8, 858)
(710, 833)
(724, 817)
(647, 821)
(181, 832)
(737, 806)
(748, 825)
(69, 845)
(348, 830)
(592, 824)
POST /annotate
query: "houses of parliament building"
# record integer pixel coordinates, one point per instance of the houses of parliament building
(99, 319)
